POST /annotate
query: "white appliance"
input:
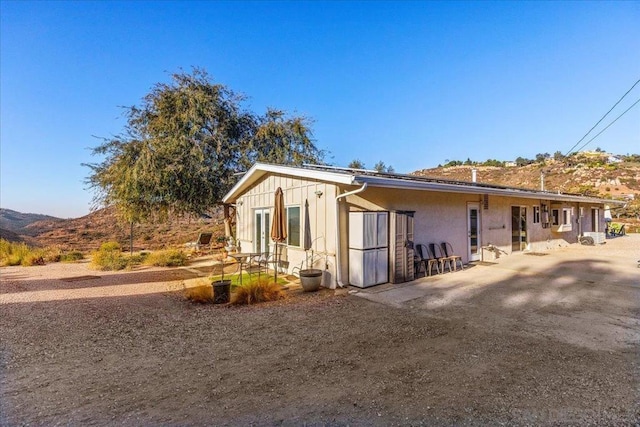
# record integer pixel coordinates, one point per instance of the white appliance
(368, 248)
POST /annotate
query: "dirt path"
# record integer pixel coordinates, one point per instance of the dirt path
(127, 349)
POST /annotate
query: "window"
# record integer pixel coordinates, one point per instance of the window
(561, 219)
(293, 226)
(536, 214)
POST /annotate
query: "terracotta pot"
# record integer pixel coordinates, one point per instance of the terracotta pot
(310, 279)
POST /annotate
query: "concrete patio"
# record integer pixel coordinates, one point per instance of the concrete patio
(583, 295)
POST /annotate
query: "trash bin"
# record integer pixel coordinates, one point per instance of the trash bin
(221, 291)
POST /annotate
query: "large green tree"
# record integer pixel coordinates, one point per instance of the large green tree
(180, 149)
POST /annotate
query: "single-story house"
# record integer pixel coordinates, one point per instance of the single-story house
(364, 224)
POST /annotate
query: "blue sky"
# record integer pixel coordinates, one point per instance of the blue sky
(412, 84)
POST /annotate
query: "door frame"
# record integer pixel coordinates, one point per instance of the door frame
(595, 219)
(522, 244)
(471, 255)
(261, 217)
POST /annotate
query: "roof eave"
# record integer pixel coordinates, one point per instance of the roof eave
(477, 189)
(258, 170)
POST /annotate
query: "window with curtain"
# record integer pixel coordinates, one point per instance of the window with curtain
(293, 226)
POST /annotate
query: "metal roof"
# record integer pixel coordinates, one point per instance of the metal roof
(355, 177)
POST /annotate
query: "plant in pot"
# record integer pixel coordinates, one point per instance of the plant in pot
(310, 278)
(231, 244)
(222, 287)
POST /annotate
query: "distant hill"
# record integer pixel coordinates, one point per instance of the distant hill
(89, 232)
(591, 174)
(16, 221)
(10, 235)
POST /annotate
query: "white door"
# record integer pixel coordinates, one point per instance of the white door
(262, 232)
(473, 232)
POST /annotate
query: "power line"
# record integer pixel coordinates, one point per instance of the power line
(601, 119)
(616, 119)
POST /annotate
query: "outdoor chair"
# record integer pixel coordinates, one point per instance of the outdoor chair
(619, 232)
(453, 258)
(424, 258)
(257, 263)
(436, 252)
(418, 261)
(203, 242)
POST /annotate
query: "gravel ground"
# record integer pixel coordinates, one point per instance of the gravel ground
(126, 348)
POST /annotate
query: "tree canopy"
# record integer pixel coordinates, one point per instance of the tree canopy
(180, 149)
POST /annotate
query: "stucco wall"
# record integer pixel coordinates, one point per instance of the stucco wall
(443, 217)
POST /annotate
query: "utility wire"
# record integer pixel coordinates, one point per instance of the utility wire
(601, 119)
(616, 119)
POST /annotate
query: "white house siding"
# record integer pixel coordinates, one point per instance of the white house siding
(296, 191)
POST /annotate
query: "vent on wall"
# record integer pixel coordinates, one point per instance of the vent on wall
(485, 201)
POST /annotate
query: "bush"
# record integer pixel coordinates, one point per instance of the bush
(12, 253)
(167, 258)
(201, 294)
(71, 256)
(258, 290)
(109, 257)
(21, 254)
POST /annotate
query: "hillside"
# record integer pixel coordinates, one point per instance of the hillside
(88, 232)
(590, 175)
(11, 220)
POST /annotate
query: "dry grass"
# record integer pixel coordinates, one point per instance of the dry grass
(167, 258)
(12, 253)
(259, 290)
(202, 293)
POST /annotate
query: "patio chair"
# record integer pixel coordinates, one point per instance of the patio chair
(453, 258)
(257, 263)
(204, 241)
(436, 252)
(619, 232)
(424, 258)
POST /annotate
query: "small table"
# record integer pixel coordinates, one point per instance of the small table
(242, 258)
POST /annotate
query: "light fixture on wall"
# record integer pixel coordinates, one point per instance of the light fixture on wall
(240, 203)
(318, 193)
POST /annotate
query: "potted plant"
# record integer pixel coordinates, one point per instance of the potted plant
(310, 278)
(222, 287)
(231, 244)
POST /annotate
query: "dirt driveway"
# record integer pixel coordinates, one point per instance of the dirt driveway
(531, 340)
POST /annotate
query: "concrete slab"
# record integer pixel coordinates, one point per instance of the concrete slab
(584, 295)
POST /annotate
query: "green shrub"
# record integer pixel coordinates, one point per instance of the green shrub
(167, 258)
(12, 253)
(71, 256)
(109, 257)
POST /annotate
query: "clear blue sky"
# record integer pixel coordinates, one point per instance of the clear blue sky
(412, 84)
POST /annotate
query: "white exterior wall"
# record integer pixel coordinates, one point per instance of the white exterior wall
(442, 217)
(296, 191)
